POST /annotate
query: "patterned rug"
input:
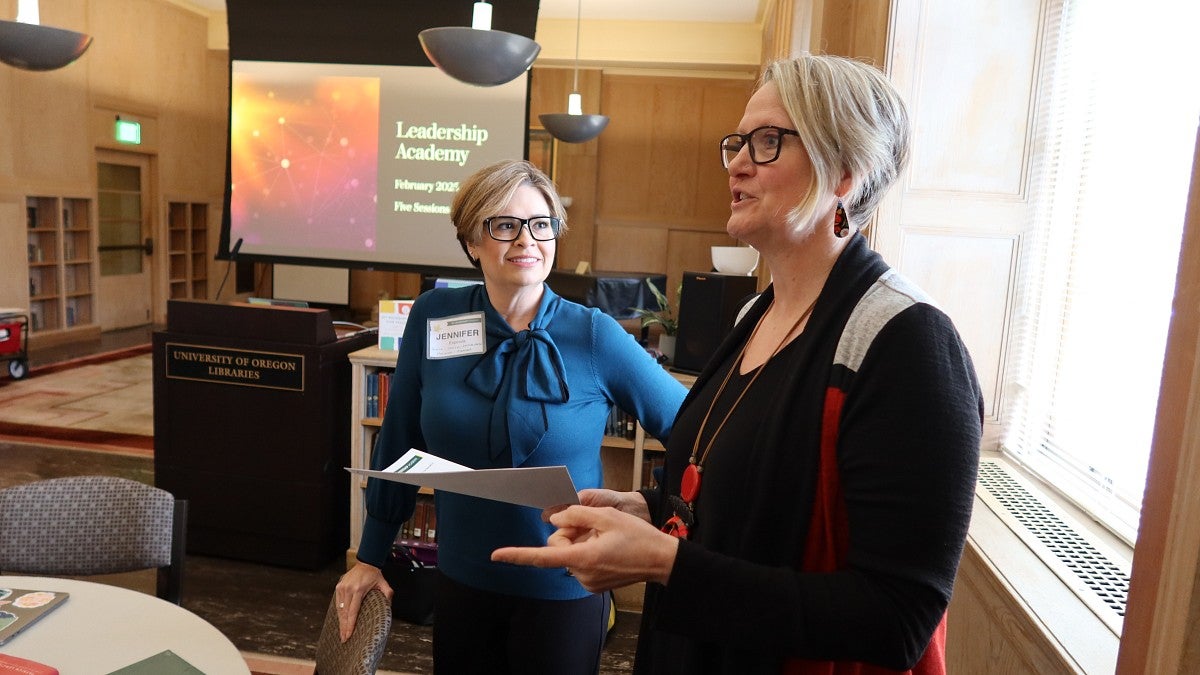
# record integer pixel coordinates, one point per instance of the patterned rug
(102, 402)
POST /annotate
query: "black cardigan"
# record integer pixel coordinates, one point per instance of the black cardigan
(908, 450)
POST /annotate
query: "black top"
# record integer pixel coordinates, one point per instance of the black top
(907, 449)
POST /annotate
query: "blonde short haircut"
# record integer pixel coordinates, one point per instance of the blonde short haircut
(486, 192)
(851, 120)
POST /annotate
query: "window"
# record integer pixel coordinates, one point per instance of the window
(1120, 102)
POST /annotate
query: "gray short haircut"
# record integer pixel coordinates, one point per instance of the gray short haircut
(850, 119)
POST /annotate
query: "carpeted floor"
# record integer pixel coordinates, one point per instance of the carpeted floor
(101, 402)
(266, 611)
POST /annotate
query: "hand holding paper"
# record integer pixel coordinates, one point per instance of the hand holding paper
(539, 486)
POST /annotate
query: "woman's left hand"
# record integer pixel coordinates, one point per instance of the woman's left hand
(602, 547)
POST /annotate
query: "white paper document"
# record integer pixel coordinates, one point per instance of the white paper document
(538, 486)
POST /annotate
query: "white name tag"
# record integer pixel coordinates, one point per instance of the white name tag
(453, 336)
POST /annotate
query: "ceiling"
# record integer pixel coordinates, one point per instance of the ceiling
(724, 11)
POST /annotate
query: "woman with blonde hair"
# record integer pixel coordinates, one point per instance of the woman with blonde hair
(532, 386)
(820, 475)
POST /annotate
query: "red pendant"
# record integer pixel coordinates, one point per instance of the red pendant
(689, 485)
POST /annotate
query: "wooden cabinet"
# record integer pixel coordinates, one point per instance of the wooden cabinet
(187, 250)
(61, 261)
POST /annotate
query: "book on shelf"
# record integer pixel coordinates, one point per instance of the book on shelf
(370, 406)
(375, 397)
(620, 424)
(420, 529)
(31, 216)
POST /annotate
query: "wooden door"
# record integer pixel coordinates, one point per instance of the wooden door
(126, 243)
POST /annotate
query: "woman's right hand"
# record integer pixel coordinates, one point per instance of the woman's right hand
(350, 591)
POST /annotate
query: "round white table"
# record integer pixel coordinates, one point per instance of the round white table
(101, 628)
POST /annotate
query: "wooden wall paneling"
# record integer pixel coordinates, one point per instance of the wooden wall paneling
(10, 106)
(577, 180)
(723, 104)
(691, 252)
(548, 91)
(854, 28)
(576, 173)
(622, 188)
(50, 126)
(575, 163)
(988, 629)
(673, 157)
(625, 248)
(14, 288)
(778, 28)
(658, 155)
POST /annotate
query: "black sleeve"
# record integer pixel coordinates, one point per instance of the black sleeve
(908, 456)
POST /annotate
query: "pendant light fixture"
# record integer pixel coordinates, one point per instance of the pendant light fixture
(26, 44)
(479, 55)
(573, 126)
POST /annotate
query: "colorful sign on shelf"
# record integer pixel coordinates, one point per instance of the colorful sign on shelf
(393, 317)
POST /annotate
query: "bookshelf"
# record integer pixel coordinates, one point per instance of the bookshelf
(61, 261)
(187, 248)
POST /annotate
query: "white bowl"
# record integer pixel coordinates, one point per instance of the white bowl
(734, 259)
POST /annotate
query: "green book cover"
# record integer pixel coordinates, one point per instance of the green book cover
(162, 663)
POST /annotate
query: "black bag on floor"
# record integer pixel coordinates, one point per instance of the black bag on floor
(414, 584)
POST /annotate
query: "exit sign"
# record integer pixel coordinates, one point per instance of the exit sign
(128, 132)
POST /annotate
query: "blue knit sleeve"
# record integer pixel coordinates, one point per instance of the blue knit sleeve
(389, 504)
(633, 380)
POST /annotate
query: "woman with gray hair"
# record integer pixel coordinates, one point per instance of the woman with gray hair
(524, 379)
(819, 478)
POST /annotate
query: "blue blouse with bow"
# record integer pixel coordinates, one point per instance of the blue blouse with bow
(536, 397)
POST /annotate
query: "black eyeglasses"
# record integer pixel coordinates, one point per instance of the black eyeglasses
(508, 228)
(764, 142)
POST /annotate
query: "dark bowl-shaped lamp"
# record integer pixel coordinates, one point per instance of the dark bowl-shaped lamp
(36, 47)
(484, 58)
(573, 128)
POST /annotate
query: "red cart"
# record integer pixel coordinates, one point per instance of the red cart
(14, 341)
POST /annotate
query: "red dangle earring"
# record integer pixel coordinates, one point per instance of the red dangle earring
(841, 224)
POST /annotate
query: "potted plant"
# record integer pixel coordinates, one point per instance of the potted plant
(665, 317)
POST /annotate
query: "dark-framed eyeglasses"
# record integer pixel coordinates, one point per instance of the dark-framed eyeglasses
(508, 228)
(765, 144)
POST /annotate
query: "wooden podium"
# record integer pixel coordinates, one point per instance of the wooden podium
(251, 426)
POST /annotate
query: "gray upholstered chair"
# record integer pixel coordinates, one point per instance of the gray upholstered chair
(86, 525)
(361, 653)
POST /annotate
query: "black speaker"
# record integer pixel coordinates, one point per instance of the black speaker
(708, 305)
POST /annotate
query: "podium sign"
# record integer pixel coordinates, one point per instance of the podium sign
(269, 370)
